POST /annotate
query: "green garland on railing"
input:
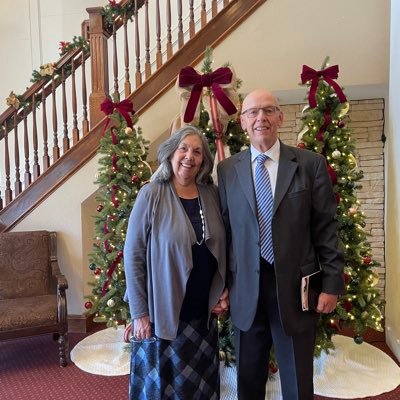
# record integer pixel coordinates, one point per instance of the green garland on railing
(78, 42)
(49, 70)
(113, 10)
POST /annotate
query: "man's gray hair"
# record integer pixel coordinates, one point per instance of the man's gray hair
(166, 150)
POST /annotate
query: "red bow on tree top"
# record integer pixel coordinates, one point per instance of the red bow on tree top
(124, 108)
(328, 75)
(189, 77)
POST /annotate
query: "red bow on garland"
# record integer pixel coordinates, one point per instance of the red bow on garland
(189, 77)
(125, 107)
(328, 75)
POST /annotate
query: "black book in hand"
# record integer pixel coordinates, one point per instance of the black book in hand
(311, 286)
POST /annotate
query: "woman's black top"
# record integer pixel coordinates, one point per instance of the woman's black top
(195, 303)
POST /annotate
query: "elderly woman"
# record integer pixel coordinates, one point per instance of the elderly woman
(174, 259)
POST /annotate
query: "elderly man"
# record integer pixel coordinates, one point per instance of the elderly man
(279, 209)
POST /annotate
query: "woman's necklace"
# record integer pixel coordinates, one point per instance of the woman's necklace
(202, 223)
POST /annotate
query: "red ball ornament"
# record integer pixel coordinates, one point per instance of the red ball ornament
(367, 260)
(135, 179)
(88, 305)
(341, 124)
(333, 325)
(97, 271)
(301, 145)
(273, 368)
(346, 278)
(99, 207)
(120, 253)
(347, 305)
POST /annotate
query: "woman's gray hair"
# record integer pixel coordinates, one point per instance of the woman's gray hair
(166, 150)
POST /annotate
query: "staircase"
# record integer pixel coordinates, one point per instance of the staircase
(48, 104)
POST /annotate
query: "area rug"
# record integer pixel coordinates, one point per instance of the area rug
(351, 371)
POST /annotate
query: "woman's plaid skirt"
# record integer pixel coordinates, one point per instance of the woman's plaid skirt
(186, 368)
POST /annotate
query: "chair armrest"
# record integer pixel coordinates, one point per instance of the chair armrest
(58, 278)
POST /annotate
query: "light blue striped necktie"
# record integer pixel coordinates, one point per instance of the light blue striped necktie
(265, 204)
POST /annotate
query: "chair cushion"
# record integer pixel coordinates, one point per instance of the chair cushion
(28, 312)
(24, 264)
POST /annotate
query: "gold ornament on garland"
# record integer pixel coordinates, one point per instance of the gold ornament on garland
(13, 100)
(47, 69)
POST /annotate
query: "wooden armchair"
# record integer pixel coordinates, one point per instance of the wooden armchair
(32, 288)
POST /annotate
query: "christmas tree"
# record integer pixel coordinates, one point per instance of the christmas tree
(236, 139)
(325, 130)
(122, 171)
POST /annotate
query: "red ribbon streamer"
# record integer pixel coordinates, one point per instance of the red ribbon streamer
(113, 198)
(110, 271)
(328, 75)
(189, 77)
(114, 137)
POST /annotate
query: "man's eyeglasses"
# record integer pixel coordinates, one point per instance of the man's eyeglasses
(268, 111)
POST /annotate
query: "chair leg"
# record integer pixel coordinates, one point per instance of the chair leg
(63, 349)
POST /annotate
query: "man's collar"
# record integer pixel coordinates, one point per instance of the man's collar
(272, 152)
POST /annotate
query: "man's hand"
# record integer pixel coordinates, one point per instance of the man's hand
(326, 303)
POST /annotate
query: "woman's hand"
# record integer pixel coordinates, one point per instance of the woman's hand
(223, 303)
(142, 328)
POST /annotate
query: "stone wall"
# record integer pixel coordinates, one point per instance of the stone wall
(367, 124)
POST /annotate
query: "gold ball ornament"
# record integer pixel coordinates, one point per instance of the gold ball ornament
(336, 154)
(352, 210)
(352, 162)
(111, 303)
(345, 109)
(128, 130)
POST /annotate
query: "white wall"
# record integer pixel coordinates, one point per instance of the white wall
(393, 190)
(267, 50)
(31, 31)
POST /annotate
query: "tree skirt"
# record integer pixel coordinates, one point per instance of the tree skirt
(349, 372)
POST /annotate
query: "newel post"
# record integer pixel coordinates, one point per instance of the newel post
(99, 63)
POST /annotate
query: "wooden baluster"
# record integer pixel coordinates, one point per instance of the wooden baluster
(115, 64)
(127, 84)
(17, 181)
(27, 175)
(1, 199)
(225, 3)
(138, 74)
(8, 191)
(213, 8)
(147, 67)
(203, 13)
(169, 34)
(75, 130)
(56, 148)
(191, 19)
(64, 112)
(36, 166)
(46, 158)
(180, 24)
(99, 63)
(158, 35)
(85, 122)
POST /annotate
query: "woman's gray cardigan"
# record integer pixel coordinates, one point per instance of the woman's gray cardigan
(158, 254)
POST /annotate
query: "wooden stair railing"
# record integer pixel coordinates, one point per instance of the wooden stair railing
(80, 145)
